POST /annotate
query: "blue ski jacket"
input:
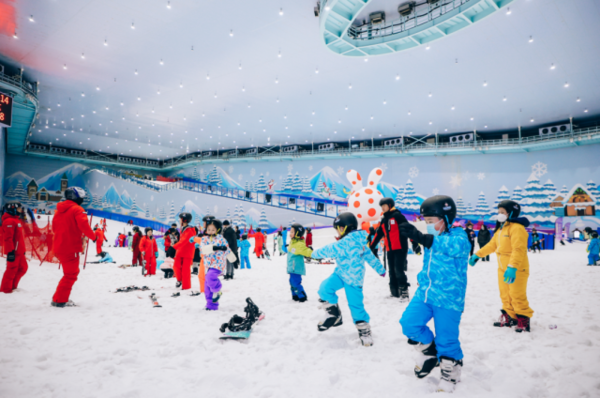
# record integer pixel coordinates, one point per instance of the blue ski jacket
(351, 252)
(443, 279)
(594, 246)
(244, 246)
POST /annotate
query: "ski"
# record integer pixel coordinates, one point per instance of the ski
(176, 294)
(154, 299)
(194, 294)
(128, 289)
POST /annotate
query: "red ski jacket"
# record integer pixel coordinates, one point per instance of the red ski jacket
(135, 245)
(149, 248)
(99, 236)
(184, 248)
(309, 239)
(259, 240)
(167, 242)
(388, 229)
(70, 223)
(14, 239)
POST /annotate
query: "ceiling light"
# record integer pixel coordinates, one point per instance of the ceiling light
(532, 120)
(452, 108)
(279, 55)
(161, 62)
(317, 71)
(430, 123)
(485, 127)
(531, 39)
(132, 25)
(169, 5)
(427, 48)
(207, 76)
(215, 95)
(397, 77)
(83, 94)
(231, 33)
(136, 72)
(31, 18)
(181, 85)
(281, 11)
(105, 42)
(384, 102)
(430, 95)
(350, 87)
(504, 99)
(472, 118)
(15, 35)
(240, 67)
(508, 11)
(578, 99)
(82, 56)
(552, 67)
(65, 66)
(484, 83)
(366, 59)
(585, 111)
(566, 84)
(276, 81)
(408, 113)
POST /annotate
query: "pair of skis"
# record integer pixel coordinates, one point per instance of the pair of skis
(128, 289)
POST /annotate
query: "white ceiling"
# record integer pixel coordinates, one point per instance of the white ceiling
(496, 50)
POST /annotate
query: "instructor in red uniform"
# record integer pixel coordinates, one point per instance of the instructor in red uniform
(99, 240)
(14, 247)
(135, 246)
(70, 224)
(185, 253)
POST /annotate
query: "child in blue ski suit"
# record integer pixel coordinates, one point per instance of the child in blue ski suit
(351, 252)
(295, 262)
(594, 249)
(284, 234)
(244, 246)
(441, 292)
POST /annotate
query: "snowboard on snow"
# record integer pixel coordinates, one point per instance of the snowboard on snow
(154, 299)
(267, 254)
(240, 328)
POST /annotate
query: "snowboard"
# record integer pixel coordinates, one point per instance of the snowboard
(154, 299)
(241, 335)
(267, 255)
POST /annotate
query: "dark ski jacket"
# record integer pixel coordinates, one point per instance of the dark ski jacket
(231, 238)
(483, 237)
(388, 229)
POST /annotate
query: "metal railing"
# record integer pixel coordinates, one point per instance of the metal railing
(17, 80)
(421, 14)
(417, 145)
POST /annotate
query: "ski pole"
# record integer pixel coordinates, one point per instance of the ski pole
(88, 243)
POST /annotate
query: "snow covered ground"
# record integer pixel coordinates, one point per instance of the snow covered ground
(118, 345)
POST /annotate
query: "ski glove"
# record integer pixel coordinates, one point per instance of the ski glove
(231, 257)
(10, 257)
(206, 250)
(473, 260)
(414, 234)
(156, 254)
(192, 239)
(510, 275)
(416, 248)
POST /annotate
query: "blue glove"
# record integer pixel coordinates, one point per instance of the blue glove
(509, 275)
(192, 239)
(197, 246)
(156, 254)
(474, 258)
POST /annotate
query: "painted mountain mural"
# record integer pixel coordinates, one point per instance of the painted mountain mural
(14, 179)
(74, 173)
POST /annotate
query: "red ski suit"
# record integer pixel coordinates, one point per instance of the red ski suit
(184, 256)
(309, 239)
(148, 248)
(14, 240)
(121, 240)
(99, 240)
(135, 246)
(70, 223)
(167, 242)
(259, 241)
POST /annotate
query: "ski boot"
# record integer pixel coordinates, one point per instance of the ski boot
(195, 271)
(427, 359)
(177, 284)
(451, 370)
(522, 324)
(62, 305)
(404, 296)
(333, 317)
(505, 320)
(364, 333)
(394, 293)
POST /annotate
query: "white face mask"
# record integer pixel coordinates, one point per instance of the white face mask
(502, 217)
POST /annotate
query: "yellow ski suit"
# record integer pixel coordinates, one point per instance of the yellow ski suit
(510, 246)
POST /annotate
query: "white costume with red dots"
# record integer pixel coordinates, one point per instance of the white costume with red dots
(364, 202)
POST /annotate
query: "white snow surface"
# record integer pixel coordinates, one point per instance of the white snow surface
(118, 345)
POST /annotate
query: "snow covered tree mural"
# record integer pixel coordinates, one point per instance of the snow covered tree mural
(247, 186)
(171, 218)
(133, 211)
(536, 203)
(214, 178)
(410, 203)
(228, 216)
(263, 222)
(87, 200)
(593, 189)
(96, 201)
(549, 190)
(261, 185)
(470, 209)
(288, 182)
(196, 219)
(147, 212)
(460, 207)
(502, 195)
(20, 193)
(241, 218)
(162, 214)
(10, 193)
(334, 189)
(482, 209)
(517, 194)
(195, 174)
(399, 196)
(564, 191)
(297, 183)
(306, 188)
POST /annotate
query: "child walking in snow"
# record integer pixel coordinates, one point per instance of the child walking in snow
(593, 249)
(441, 292)
(280, 244)
(351, 252)
(297, 250)
(244, 246)
(215, 253)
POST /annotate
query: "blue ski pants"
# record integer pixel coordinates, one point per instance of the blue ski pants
(245, 260)
(354, 294)
(592, 258)
(296, 285)
(414, 326)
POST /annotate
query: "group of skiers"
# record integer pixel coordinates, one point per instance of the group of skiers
(441, 283)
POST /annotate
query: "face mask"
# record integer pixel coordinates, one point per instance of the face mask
(431, 229)
(502, 217)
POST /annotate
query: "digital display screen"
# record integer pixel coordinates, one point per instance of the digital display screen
(6, 104)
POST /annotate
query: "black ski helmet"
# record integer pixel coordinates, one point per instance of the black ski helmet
(226, 222)
(308, 229)
(135, 229)
(347, 222)
(299, 230)
(187, 217)
(387, 201)
(217, 223)
(148, 229)
(441, 206)
(12, 208)
(75, 194)
(512, 208)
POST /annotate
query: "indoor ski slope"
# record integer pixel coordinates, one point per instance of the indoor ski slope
(118, 345)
